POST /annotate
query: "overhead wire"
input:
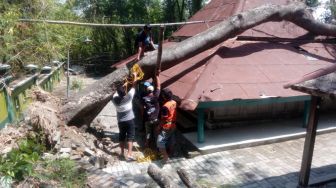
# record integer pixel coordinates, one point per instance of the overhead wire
(117, 25)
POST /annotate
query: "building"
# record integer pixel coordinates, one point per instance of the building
(241, 79)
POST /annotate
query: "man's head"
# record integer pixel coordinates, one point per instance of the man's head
(147, 28)
(121, 90)
(148, 87)
(167, 94)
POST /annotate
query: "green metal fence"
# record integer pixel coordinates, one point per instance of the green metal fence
(14, 102)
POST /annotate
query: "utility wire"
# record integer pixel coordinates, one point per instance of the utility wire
(114, 25)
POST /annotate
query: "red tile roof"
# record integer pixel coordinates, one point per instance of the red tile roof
(241, 69)
(219, 10)
(245, 70)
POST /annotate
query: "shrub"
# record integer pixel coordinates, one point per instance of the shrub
(19, 162)
(63, 171)
(77, 84)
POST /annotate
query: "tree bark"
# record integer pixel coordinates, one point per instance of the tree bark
(186, 179)
(85, 106)
(159, 177)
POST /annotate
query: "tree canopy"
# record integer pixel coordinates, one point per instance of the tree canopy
(30, 43)
(23, 43)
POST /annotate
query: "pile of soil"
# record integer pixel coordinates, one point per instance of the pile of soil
(9, 137)
(62, 140)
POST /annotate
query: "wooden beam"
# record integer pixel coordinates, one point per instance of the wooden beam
(251, 102)
(308, 149)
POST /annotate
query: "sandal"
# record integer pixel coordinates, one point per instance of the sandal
(129, 159)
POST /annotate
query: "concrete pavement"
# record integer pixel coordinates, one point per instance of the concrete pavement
(272, 165)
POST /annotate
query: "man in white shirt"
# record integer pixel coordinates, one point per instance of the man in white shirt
(125, 116)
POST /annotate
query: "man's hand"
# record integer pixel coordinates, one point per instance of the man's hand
(157, 72)
(135, 76)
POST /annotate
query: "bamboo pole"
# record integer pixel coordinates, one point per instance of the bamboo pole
(113, 25)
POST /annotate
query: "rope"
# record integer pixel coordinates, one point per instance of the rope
(128, 80)
(148, 155)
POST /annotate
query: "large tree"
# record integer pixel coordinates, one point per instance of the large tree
(85, 106)
(24, 43)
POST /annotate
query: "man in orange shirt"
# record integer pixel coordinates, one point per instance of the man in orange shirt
(167, 123)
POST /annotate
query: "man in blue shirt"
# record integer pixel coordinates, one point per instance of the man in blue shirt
(151, 107)
(144, 41)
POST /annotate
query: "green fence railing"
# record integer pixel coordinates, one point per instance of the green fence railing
(14, 102)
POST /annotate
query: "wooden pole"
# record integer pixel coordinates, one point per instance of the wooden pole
(308, 149)
(306, 111)
(161, 37)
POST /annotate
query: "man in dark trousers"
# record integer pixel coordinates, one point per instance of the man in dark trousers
(167, 124)
(124, 107)
(144, 41)
(151, 109)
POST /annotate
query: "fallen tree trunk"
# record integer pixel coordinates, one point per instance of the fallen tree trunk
(159, 177)
(186, 179)
(86, 105)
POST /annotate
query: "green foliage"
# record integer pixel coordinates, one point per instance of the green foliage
(25, 162)
(23, 43)
(196, 6)
(116, 44)
(63, 171)
(18, 163)
(77, 84)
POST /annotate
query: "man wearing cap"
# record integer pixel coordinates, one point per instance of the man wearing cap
(144, 41)
(151, 109)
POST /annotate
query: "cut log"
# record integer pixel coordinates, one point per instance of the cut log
(86, 105)
(159, 177)
(186, 179)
